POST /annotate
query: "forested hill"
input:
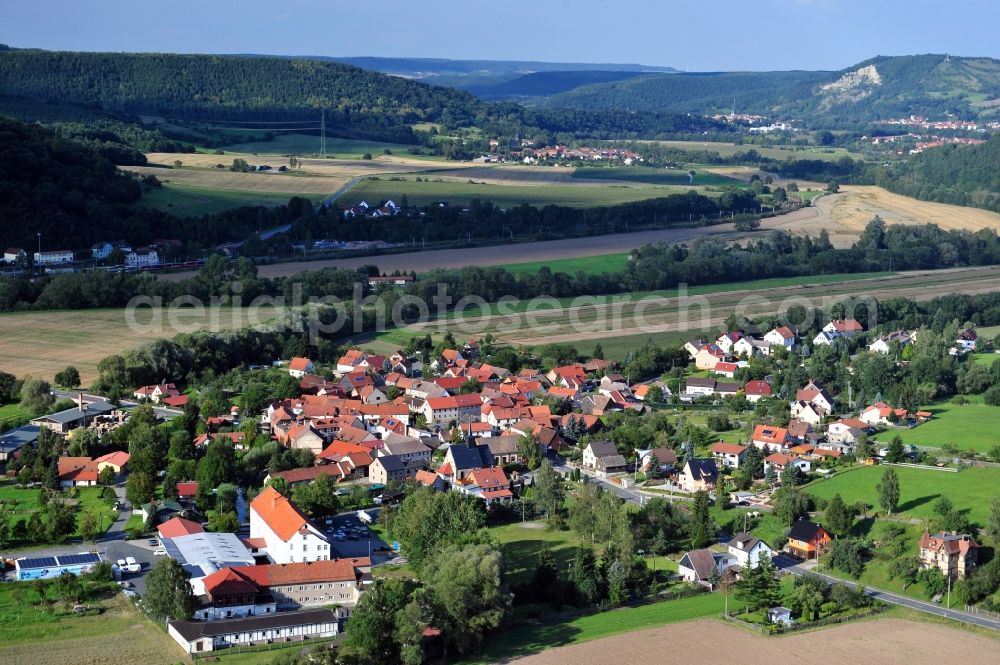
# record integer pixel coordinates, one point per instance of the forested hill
(228, 88)
(883, 87)
(960, 174)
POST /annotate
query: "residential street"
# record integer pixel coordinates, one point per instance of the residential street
(794, 567)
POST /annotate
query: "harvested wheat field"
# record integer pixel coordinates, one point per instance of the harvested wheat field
(281, 183)
(880, 642)
(845, 215)
(43, 343)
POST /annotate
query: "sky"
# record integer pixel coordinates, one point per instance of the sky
(693, 36)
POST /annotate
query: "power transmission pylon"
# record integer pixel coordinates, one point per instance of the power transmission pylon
(322, 135)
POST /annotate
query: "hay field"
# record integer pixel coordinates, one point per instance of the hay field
(844, 215)
(282, 183)
(770, 152)
(43, 343)
(878, 642)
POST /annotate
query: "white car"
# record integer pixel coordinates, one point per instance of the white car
(159, 552)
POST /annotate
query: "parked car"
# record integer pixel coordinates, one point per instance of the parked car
(160, 552)
(153, 542)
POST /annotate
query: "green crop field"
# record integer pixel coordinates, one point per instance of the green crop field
(185, 201)
(305, 145)
(771, 152)
(461, 193)
(652, 176)
(974, 426)
(589, 265)
(40, 634)
(525, 640)
(971, 489)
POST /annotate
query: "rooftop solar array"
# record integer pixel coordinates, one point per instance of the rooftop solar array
(39, 562)
(57, 561)
(78, 559)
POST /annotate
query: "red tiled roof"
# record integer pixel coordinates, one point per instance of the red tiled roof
(187, 490)
(118, 458)
(77, 469)
(278, 513)
(299, 364)
(724, 448)
(770, 434)
(757, 387)
(178, 526)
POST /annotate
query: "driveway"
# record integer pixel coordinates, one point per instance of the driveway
(367, 542)
(795, 567)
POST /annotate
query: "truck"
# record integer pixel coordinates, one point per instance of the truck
(131, 565)
(365, 517)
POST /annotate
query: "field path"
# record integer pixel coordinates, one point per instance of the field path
(876, 642)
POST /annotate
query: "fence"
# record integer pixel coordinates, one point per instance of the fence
(978, 611)
(779, 629)
(925, 467)
(211, 656)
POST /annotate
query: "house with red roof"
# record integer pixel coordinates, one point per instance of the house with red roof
(489, 484)
(289, 535)
(299, 367)
(843, 328)
(117, 460)
(756, 390)
(728, 454)
(77, 471)
(156, 392)
(568, 376)
(769, 437)
(954, 554)
(725, 369)
(187, 491)
(781, 336)
(175, 527)
(881, 413)
(442, 410)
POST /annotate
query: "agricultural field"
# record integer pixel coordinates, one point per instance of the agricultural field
(651, 176)
(505, 196)
(634, 315)
(306, 145)
(589, 265)
(11, 415)
(549, 635)
(973, 426)
(971, 489)
(42, 343)
(216, 179)
(888, 640)
(770, 152)
(191, 201)
(35, 634)
(844, 215)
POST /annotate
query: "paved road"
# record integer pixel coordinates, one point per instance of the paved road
(794, 567)
(90, 398)
(348, 186)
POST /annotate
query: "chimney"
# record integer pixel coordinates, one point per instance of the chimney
(79, 401)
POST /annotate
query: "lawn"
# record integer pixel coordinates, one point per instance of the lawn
(506, 196)
(525, 640)
(971, 489)
(973, 426)
(986, 359)
(588, 265)
(35, 633)
(186, 201)
(12, 415)
(652, 176)
(230, 657)
(522, 543)
(20, 503)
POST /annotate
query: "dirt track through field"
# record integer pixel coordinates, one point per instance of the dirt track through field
(880, 642)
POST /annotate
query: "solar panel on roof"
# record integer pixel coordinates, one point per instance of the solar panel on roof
(40, 562)
(77, 559)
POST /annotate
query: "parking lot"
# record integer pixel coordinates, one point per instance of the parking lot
(357, 540)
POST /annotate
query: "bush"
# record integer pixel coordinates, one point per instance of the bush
(992, 396)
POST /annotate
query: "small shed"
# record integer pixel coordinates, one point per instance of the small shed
(780, 615)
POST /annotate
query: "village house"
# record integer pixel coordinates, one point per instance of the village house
(488, 484)
(698, 566)
(726, 341)
(603, 457)
(846, 431)
(156, 393)
(846, 328)
(77, 471)
(699, 387)
(780, 461)
(698, 474)
(462, 458)
(751, 346)
(289, 535)
(884, 344)
(807, 540)
(748, 550)
(197, 637)
(116, 461)
(299, 367)
(954, 554)
(728, 454)
(725, 369)
(393, 468)
(53, 257)
(442, 410)
(504, 448)
(666, 459)
(966, 340)
(817, 396)
(407, 449)
(806, 412)
(769, 437)
(708, 357)
(757, 389)
(781, 336)
(881, 413)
